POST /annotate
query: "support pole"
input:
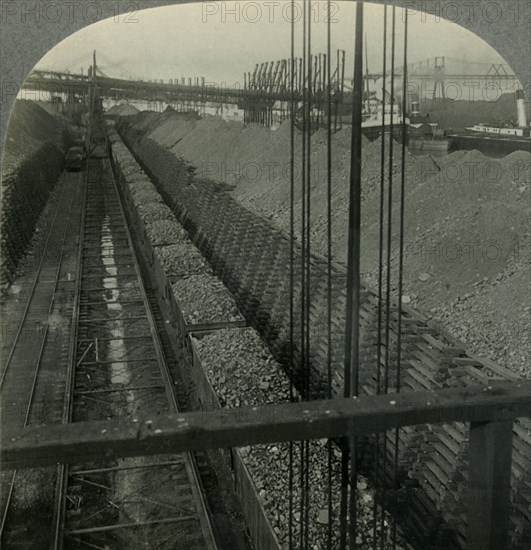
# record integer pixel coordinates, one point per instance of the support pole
(354, 221)
(489, 478)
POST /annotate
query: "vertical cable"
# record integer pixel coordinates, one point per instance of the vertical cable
(308, 272)
(351, 371)
(328, 76)
(291, 262)
(336, 102)
(380, 271)
(388, 267)
(353, 273)
(303, 267)
(400, 271)
(355, 263)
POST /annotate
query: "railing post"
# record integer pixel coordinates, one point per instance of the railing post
(489, 478)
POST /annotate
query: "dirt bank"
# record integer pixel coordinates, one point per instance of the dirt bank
(33, 158)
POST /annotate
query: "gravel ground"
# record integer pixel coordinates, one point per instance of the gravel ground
(243, 373)
(181, 259)
(205, 299)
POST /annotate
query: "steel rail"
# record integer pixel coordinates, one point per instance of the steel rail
(62, 482)
(32, 291)
(43, 343)
(167, 378)
(60, 486)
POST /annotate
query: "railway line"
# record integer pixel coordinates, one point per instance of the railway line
(31, 385)
(113, 366)
(121, 370)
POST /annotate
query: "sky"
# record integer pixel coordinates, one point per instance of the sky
(221, 41)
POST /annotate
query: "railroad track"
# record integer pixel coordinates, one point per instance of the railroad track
(121, 370)
(35, 359)
(109, 362)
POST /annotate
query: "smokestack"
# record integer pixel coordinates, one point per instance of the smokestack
(520, 109)
(415, 108)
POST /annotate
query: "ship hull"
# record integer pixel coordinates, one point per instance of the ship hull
(489, 145)
(429, 145)
(374, 132)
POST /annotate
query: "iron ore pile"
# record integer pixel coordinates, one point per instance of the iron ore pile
(175, 253)
(467, 229)
(204, 298)
(151, 211)
(165, 232)
(144, 194)
(123, 109)
(242, 372)
(181, 259)
(435, 359)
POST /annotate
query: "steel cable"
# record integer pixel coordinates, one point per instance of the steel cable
(292, 266)
(380, 272)
(388, 266)
(327, 62)
(400, 273)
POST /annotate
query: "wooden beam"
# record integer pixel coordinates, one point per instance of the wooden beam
(83, 442)
(489, 479)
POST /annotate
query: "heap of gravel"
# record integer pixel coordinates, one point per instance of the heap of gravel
(123, 109)
(175, 252)
(243, 373)
(32, 163)
(145, 196)
(137, 186)
(204, 298)
(126, 161)
(125, 158)
(30, 128)
(466, 215)
(164, 232)
(153, 211)
(241, 369)
(138, 178)
(141, 188)
(503, 337)
(181, 259)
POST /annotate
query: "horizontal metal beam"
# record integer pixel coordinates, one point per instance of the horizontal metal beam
(448, 76)
(83, 442)
(150, 91)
